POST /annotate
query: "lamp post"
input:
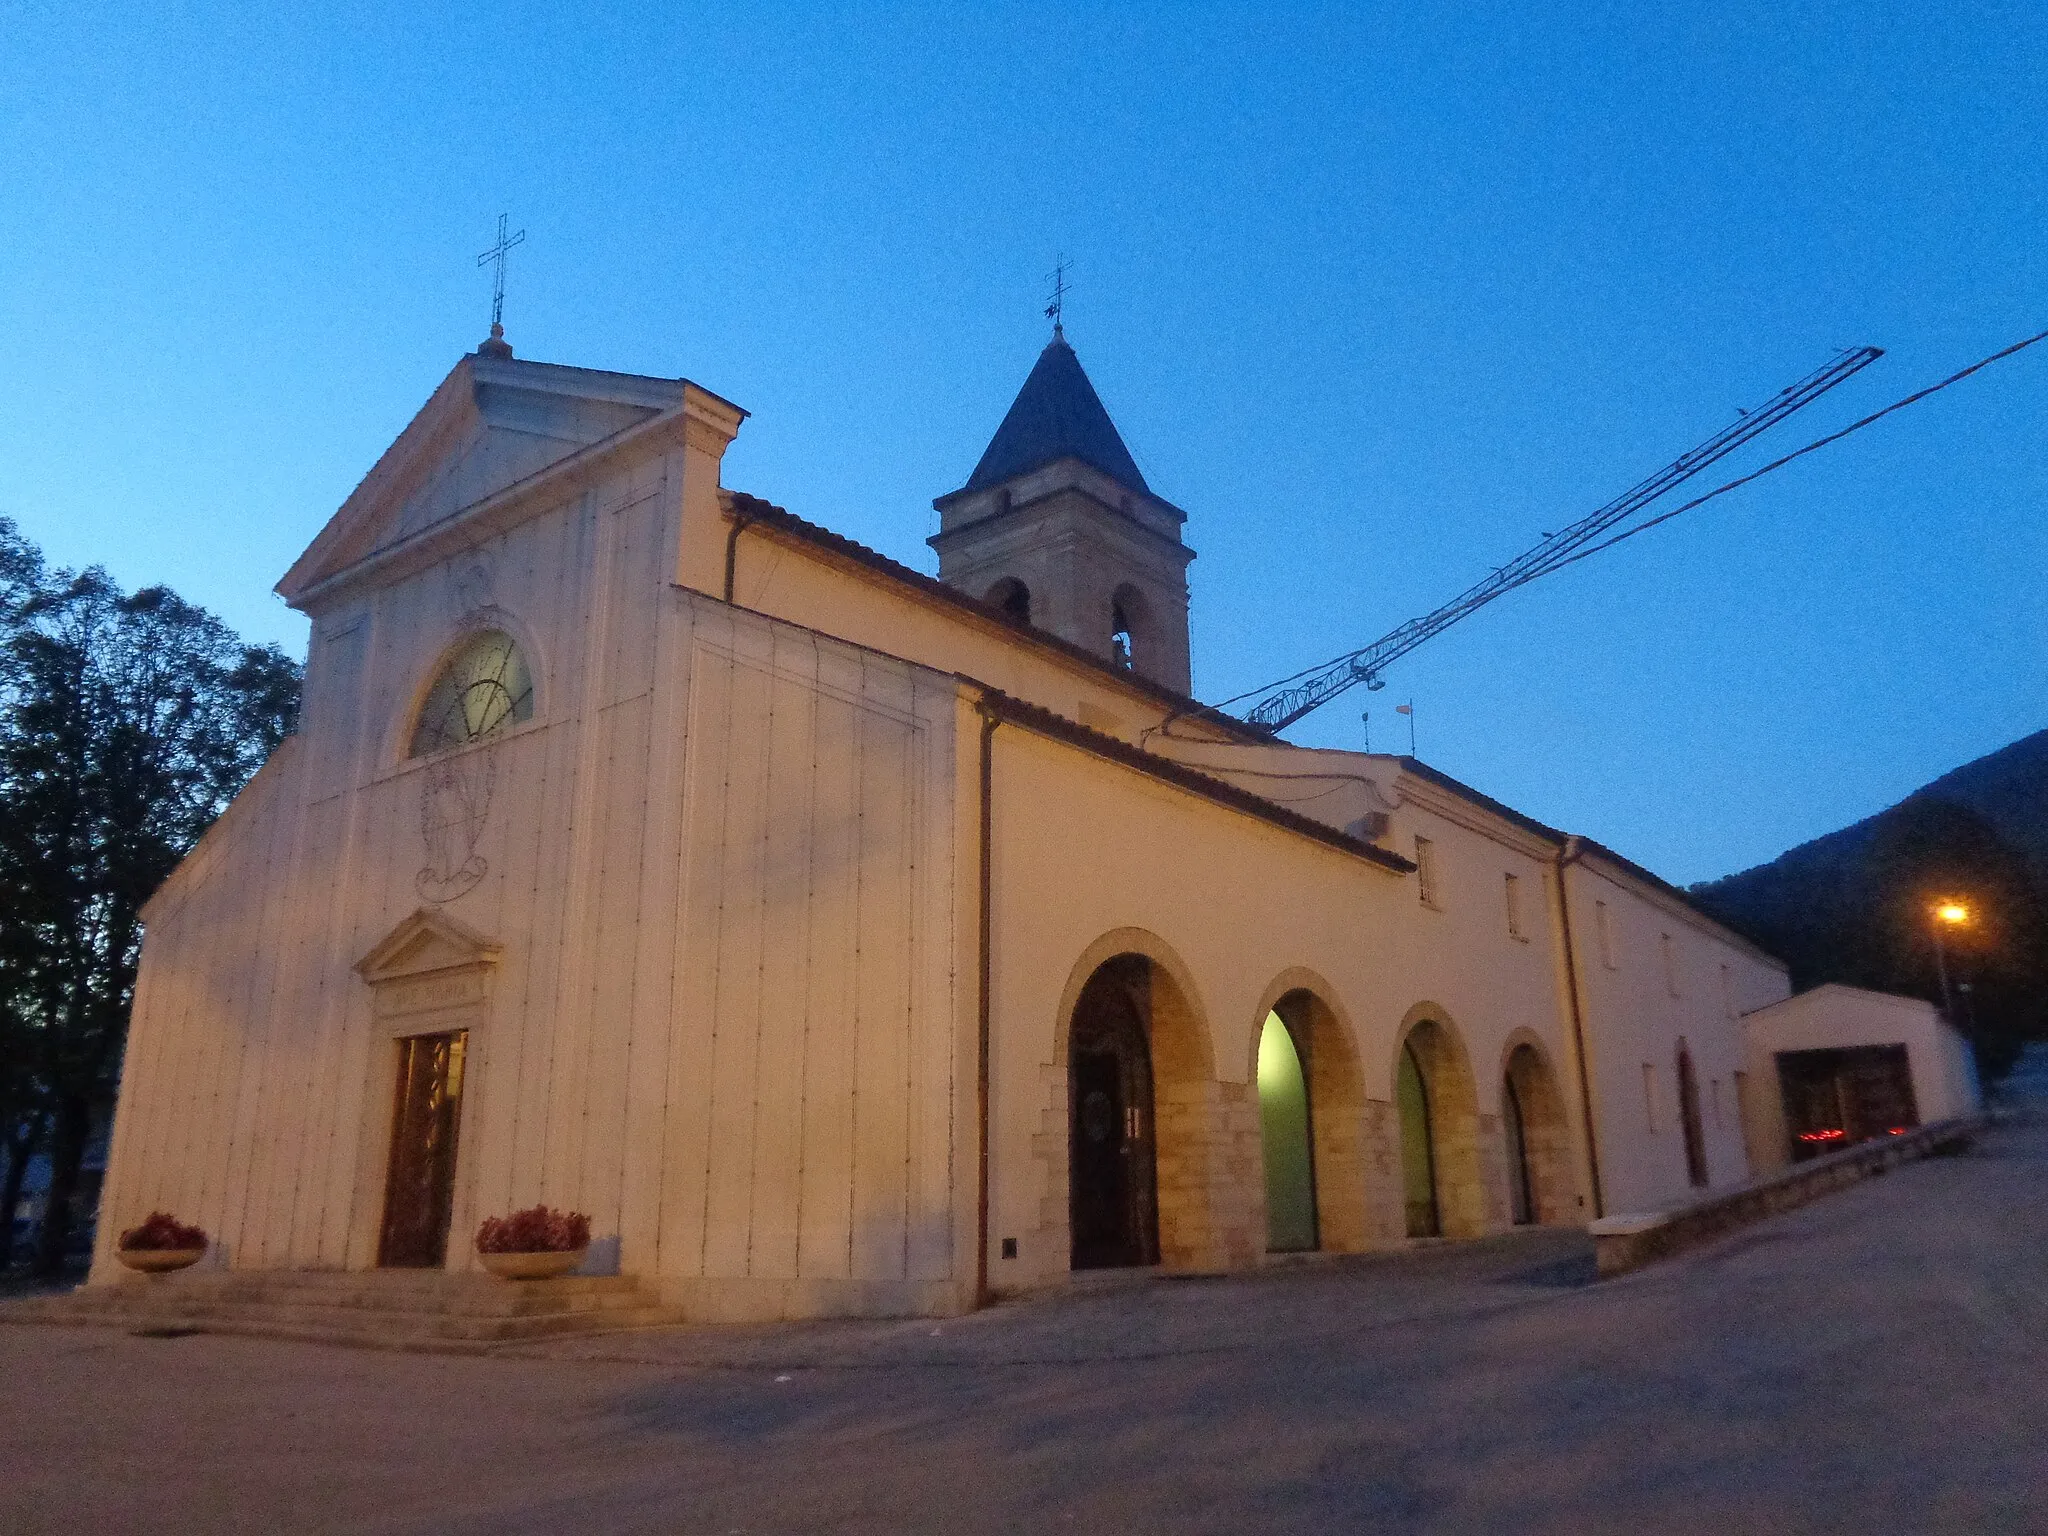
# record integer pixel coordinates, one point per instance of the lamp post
(1947, 914)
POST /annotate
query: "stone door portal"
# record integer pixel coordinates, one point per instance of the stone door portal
(420, 1188)
(1113, 1202)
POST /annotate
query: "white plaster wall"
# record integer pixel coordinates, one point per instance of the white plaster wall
(792, 580)
(721, 864)
(1086, 848)
(1636, 1013)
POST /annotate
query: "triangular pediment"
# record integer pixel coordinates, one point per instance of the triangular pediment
(426, 942)
(492, 423)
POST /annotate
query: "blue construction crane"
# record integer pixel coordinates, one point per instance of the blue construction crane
(1288, 700)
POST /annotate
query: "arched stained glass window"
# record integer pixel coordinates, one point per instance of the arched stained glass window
(483, 688)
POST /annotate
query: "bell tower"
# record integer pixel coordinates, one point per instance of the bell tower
(1057, 527)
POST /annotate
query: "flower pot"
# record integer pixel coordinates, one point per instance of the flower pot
(532, 1266)
(159, 1261)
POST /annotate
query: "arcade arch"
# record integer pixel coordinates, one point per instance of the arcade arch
(1438, 1113)
(1143, 1117)
(1537, 1136)
(1311, 1099)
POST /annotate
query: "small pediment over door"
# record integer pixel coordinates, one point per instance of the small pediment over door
(428, 962)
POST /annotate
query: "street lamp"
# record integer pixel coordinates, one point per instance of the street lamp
(1947, 914)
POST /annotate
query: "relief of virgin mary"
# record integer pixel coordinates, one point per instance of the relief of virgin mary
(482, 690)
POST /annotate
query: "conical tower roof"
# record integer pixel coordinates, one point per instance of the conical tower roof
(1056, 415)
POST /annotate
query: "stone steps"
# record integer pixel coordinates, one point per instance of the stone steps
(481, 1296)
(380, 1308)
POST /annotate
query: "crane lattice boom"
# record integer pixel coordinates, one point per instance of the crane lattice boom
(1288, 701)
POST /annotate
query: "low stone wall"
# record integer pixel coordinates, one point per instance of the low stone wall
(1623, 1243)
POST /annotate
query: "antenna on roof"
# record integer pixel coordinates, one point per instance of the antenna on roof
(1057, 307)
(497, 345)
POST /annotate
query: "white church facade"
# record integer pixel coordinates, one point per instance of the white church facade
(843, 940)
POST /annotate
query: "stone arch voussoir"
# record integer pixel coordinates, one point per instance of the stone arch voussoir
(1206, 1131)
(1546, 1126)
(1339, 1125)
(1470, 1203)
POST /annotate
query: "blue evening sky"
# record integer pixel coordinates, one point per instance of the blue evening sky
(1376, 294)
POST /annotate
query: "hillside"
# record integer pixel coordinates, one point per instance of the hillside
(1852, 906)
(2008, 788)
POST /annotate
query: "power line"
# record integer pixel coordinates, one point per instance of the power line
(1832, 437)
(1288, 700)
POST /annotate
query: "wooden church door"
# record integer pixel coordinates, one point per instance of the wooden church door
(419, 1192)
(1112, 1205)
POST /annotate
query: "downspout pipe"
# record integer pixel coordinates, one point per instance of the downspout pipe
(985, 988)
(732, 551)
(1569, 852)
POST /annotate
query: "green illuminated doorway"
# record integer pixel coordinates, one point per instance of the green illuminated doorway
(1418, 1147)
(1283, 1120)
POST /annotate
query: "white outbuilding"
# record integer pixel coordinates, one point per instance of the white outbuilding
(1838, 1065)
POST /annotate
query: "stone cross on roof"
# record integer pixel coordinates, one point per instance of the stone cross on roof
(497, 346)
(1057, 307)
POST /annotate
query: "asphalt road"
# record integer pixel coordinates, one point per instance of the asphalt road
(1873, 1363)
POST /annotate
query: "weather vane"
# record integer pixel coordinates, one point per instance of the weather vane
(497, 254)
(1058, 278)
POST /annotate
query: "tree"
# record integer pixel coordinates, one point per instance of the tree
(22, 1110)
(127, 723)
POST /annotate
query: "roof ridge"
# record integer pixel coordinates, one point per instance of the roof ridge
(748, 508)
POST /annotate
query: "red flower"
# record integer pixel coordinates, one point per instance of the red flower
(538, 1230)
(160, 1231)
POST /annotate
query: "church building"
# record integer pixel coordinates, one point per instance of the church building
(845, 940)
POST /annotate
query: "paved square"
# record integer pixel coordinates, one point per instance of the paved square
(1874, 1362)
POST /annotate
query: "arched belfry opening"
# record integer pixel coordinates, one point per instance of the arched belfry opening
(1540, 1185)
(1127, 627)
(1139, 1121)
(1057, 507)
(1443, 1194)
(1013, 598)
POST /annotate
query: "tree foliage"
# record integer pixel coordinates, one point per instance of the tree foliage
(127, 723)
